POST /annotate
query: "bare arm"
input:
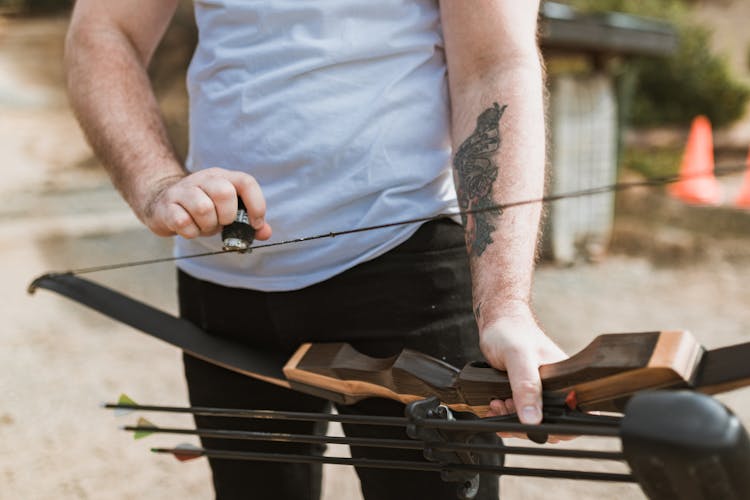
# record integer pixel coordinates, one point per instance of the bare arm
(496, 87)
(108, 48)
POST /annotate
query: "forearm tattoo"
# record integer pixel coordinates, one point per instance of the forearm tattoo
(476, 172)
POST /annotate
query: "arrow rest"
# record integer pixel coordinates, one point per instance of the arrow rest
(469, 481)
(558, 408)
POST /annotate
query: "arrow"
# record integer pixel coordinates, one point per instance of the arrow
(188, 452)
(185, 452)
(658, 434)
(125, 401)
(145, 428)
(596, 425)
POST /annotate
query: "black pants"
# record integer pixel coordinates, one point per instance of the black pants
(416, 296)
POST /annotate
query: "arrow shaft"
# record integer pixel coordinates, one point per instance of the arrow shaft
(401, 464)
(264, 414)
(379, 443)
(606, 428)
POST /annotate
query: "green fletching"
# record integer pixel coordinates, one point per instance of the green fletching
(142, 422)
(141, 434)
(125, 400)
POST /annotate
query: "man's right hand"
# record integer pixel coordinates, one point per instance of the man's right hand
(108, 48)
(201, 203)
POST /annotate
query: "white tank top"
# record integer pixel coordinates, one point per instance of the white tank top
(339, 109)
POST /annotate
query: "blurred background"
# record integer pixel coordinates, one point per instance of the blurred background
(626, 79)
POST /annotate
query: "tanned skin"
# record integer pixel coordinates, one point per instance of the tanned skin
(496, 86)
(495, 79)
(108, 48)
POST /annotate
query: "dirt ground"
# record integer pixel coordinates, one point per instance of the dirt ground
(59, 361)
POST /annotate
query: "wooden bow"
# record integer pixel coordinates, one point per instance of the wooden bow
(602, 376)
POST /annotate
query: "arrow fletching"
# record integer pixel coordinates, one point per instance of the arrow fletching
(140, 434)
(126, 401)
(182, 452)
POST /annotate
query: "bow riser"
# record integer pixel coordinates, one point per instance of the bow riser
(608, 370)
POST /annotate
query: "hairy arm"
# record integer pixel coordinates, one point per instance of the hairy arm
(109, 46)
(496, 88)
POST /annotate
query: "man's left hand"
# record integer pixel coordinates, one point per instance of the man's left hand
(514, 342)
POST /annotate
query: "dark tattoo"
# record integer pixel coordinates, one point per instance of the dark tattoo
(475, 175)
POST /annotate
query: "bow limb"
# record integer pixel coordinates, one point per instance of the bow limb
(724, 369)
(176, 331)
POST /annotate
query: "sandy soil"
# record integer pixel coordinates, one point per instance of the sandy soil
(59, 361)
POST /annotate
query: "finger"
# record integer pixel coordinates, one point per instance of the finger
(511, 407)
(255, 203)
(498, 408)
(560, 437)
(552, 439)
(516, 435)
(201, 208)
(526, 385)
(224, 197)
(263, 233)
(178, 221)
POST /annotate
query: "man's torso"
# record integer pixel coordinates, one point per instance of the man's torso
(339, 108)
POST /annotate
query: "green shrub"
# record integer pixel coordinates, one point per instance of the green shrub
(691, 82)
(663, 9)
(652, 161)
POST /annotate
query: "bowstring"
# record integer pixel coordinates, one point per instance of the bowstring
(720, 171)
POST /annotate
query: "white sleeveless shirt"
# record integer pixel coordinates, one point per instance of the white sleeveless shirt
(339, 109)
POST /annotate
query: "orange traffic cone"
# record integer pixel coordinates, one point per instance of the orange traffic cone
(697, 168)
(743, 200)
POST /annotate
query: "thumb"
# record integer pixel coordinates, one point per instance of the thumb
(526, 384)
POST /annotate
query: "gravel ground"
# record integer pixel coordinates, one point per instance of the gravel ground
(59, 361)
